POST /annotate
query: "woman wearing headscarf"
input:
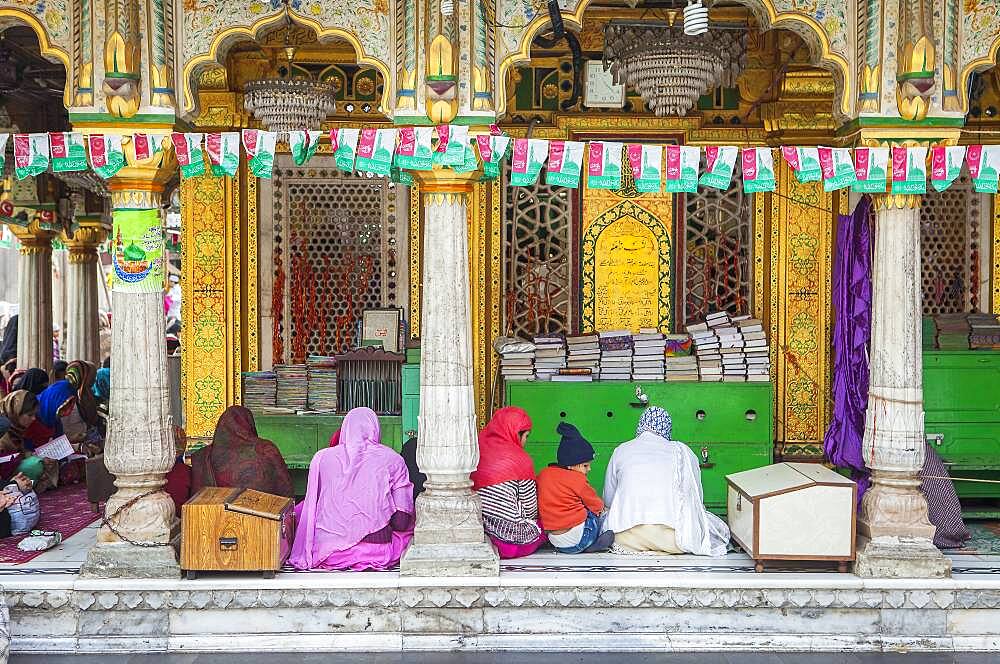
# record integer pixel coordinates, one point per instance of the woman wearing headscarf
(505, 481)
(81, 374)
(34, 380)
(653, 490)
(238, 457)
(358, 510)
(19, 408)
(54, 403)
(8, 348)
(102, 394)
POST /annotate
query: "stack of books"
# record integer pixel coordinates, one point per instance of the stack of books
(550, 356)
(616, 355)
(681, 368)
(984, 332)
(584, 352)
(648, 348)
(517, 359)
(259, 389)
(706, 352)
(293, 386)
(952, 331)
(734, 362)
(755, 349)
(322, 383)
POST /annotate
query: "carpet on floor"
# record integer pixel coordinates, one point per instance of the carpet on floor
(985, 539)
(64, 510)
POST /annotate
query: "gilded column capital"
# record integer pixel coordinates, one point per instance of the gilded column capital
(445, 185)
(896, 201)
(87, 237)
(33, 238)
(139, 185)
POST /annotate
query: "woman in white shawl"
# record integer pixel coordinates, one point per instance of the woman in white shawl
(653, 490)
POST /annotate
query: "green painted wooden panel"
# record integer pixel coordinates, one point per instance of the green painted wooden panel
(733, 421)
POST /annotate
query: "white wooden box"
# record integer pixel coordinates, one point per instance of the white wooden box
(793, 511)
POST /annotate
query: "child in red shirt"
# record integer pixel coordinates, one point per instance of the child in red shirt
(569, 508)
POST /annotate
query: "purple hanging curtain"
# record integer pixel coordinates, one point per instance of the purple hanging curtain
(852, 302)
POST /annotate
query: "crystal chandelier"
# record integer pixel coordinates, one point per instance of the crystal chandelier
(668, 68)
(284, 103)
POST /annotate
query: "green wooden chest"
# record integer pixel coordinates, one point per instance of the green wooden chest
(728, 425)
(962, 416)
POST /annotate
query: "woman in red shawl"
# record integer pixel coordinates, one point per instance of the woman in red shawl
(238, 457)
(505, 481)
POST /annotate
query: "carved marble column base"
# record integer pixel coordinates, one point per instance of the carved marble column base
(449, 539)
(901, 558)
(898, 537)
(122, 560)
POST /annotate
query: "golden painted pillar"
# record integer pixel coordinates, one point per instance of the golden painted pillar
(799, 274)
(448, 539)
(34, 267)
(212, 306)
(141, 525)
(82, 278)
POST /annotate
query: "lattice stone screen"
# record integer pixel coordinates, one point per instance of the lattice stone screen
(337, 245)
(538, 250)
(951, 230)
(717, 268)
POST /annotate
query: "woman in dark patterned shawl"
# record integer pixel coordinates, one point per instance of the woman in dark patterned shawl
(238, 457)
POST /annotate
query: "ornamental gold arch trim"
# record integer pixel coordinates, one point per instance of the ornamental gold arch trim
(979, 64)
(223, 40)
(775, 20)
(45, 46)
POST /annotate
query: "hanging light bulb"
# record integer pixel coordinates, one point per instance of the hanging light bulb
(695, 18)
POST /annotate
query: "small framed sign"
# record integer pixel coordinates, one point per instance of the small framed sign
(381, 326)
(599, 90)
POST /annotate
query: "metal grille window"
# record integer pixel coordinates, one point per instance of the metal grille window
(336, 253)
(717, 269)
(538, 250)
(950, 247)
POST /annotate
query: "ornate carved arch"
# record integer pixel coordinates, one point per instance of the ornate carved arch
(11, 16)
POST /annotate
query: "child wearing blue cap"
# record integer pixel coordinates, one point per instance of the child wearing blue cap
(569, 508)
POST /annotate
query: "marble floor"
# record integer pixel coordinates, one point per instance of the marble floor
(521, 658)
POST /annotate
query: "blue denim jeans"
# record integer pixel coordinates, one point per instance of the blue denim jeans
(591, 530)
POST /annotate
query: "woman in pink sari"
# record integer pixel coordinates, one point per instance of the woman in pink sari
(358, 509)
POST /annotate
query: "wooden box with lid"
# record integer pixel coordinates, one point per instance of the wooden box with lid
(231, 530)
(793, 511)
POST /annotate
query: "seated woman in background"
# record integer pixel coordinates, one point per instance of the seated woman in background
(238, 457)
(358, 510)
(57, 416)
(19, 409)
(653, 490)
(32, 380)
(102, 395)
(417, 478)
(81, 376)
(505, 481)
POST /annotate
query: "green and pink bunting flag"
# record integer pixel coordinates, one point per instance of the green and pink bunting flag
(347, 149)
(526, 163)
(758, 170)
(470, 162)
(720, 164)
(303, 145)
(190, 155)
(146, 146)
(871, 167)
(414, 150)
(604, 166)
(223, 152)
(682, 169)
(107, 156)
(68, 153)
(31, 154)
(492, 151)
(565, 164)
(909, 170)
(984, 165)
(646, 162)
(804, 161)
(452, 141)
(260, 147)
(375, 150)
(837, 167)
(946, 165)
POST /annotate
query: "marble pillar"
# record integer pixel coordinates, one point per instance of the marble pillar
(897, 537)
(449, 538)
(82, 279)
(34, 324)
(140, 446)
